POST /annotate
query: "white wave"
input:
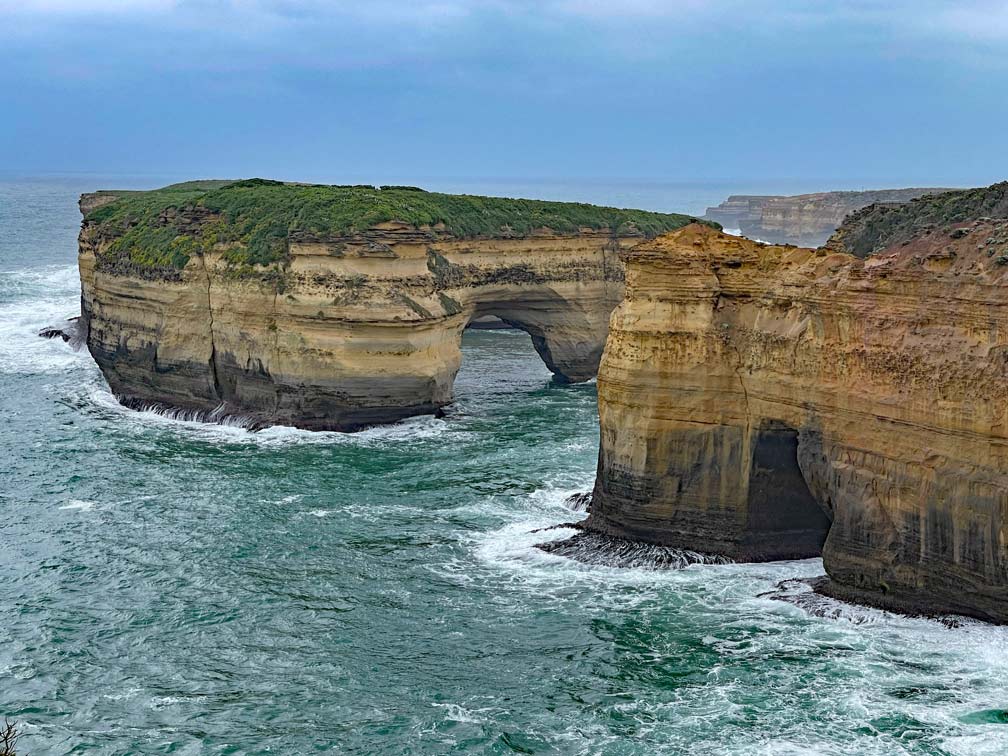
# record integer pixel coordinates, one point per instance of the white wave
(991, 741)
(884, 653)
(236, 430)
(31, 300)
(83, 506)
(738, 232)
(52, 280)
(320, 513)
(125, 695)
(458, 713)
(746, 589)
(161, 702)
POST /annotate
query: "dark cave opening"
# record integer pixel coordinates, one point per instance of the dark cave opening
(784, 518)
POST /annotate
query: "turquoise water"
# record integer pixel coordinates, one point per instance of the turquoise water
(176, 587)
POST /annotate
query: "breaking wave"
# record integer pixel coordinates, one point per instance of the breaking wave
(608, 551)
(31, 300)
(218, 427)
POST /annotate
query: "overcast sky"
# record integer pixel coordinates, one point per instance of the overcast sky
(895, 92)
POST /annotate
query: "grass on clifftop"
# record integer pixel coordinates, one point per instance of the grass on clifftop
(163, 228)
(877, 227)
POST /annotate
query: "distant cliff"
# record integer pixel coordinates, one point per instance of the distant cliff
(336, 307)
(804, 219)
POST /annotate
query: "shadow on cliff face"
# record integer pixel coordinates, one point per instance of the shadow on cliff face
(785, 520)
(780, 518)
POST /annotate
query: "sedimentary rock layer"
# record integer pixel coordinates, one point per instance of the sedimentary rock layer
(804, 219)
(334, 330)
(764, 402)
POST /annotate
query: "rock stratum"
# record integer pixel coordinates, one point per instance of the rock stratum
(767, 402)
(803, 219)
(329, 307)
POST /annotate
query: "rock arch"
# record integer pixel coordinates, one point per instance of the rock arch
(361, 330)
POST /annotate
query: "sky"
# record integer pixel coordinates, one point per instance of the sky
(901, 92)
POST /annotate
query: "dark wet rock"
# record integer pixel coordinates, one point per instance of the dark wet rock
(52, 333)
(577, 525)
(70, 333)
(579, 502)
(910, 606)
(802, 594)
(609, 551)
(821, 597)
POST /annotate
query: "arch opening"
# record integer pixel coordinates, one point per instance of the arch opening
(568, 339)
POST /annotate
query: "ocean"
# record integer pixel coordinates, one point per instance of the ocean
(169, 586)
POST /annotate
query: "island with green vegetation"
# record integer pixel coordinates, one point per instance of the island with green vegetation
(337, 307)
(254, 220)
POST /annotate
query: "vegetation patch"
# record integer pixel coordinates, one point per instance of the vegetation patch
(9, 737)
(418, 308)
(880, 226)
(254, 219)
(451, 307)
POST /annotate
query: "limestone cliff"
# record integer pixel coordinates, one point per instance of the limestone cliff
(805, 219)
(336, 307)
(766, 402)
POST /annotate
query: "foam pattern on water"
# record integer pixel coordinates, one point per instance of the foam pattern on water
(215, 427)
(29, 301)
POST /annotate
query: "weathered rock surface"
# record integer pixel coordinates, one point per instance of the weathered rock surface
(344, 330)
(804, 219)
(765, 402)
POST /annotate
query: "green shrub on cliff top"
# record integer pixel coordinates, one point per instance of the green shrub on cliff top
(879, 226)
(255, 218)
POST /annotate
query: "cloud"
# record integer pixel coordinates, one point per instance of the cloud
(576, 38)
(978, 19)
(86, 7)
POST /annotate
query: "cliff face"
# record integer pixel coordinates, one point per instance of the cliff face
(328, 331)
(766, 402)
(804, 219)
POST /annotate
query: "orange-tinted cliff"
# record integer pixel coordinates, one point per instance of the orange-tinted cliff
(768, 402)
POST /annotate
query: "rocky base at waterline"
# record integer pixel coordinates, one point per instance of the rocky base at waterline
(337, 307)
(919, 605)
(608, 551)
(821, 597)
